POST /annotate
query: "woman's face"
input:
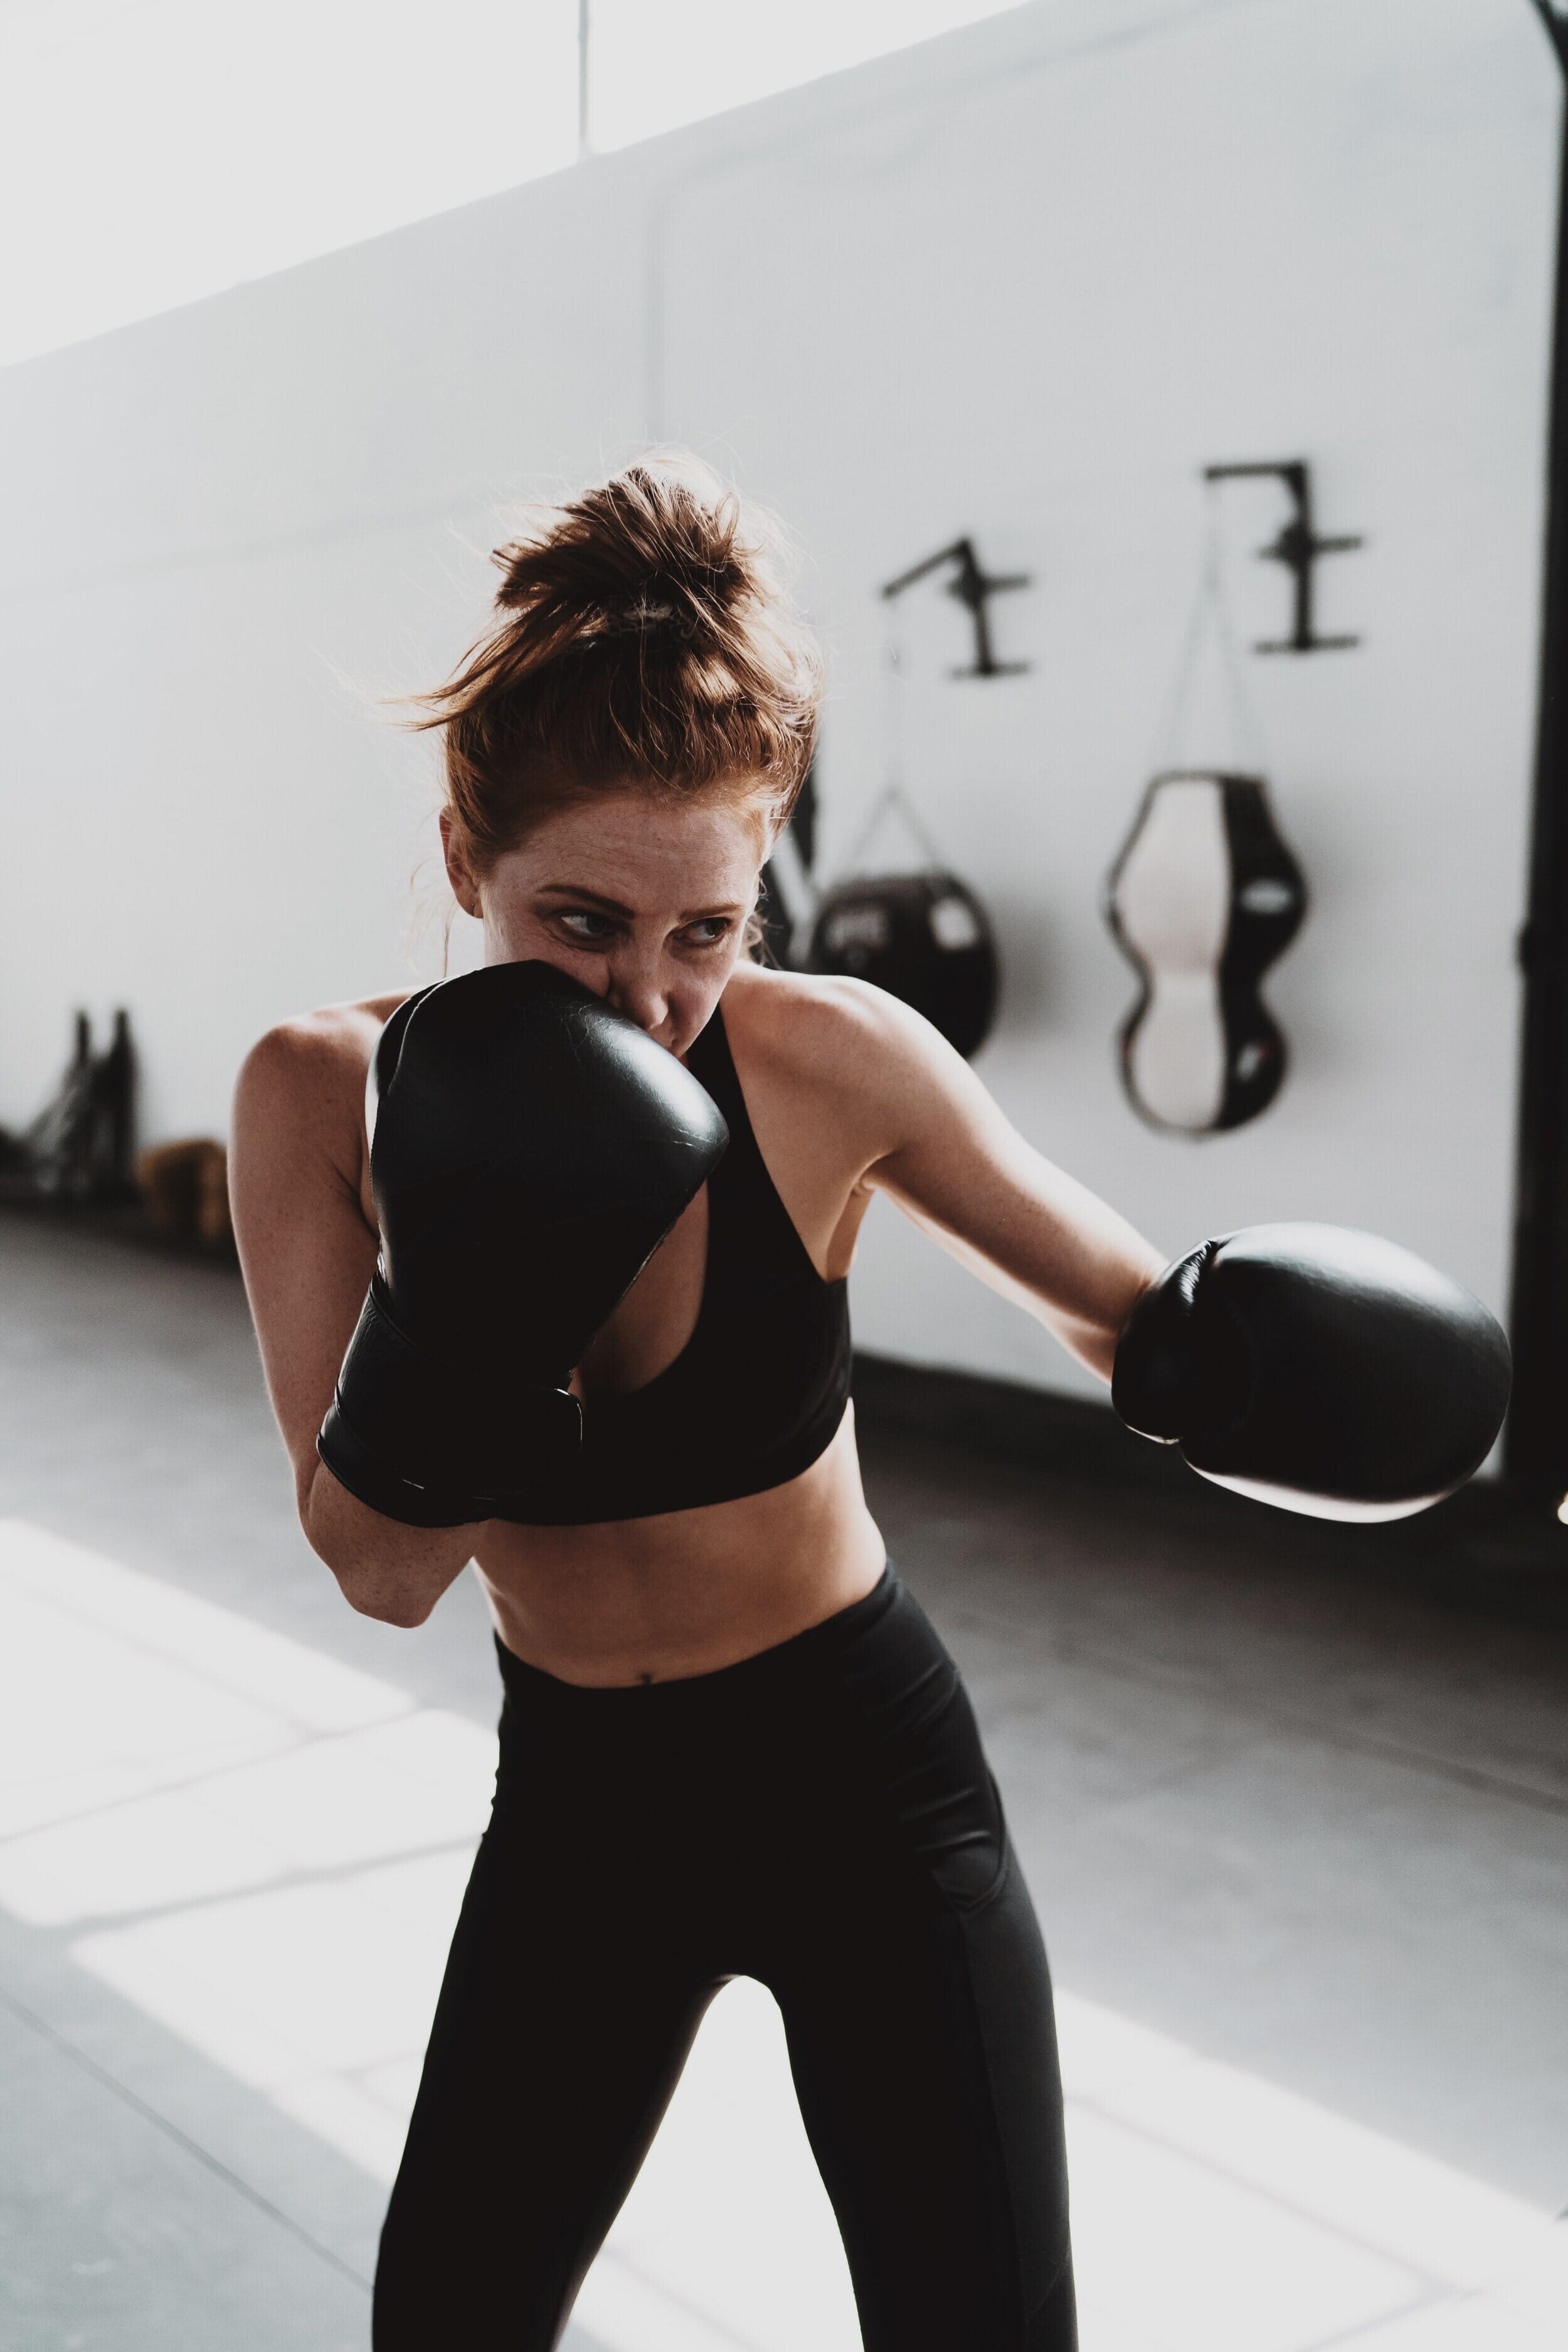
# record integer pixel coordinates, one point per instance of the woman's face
(645, 900)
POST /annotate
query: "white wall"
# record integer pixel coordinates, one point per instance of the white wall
(1024, 282)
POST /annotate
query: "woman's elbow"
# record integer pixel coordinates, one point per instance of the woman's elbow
(366, 1554)
(377, 1588)
(389, 1603)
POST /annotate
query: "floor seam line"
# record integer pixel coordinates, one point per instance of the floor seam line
(172, 2130)
(1543, 1801)
(1434, 2288)
(229, 1770)
(285, 1882)
(1360, 2329)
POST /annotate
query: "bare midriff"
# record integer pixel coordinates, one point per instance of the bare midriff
(657, 1600)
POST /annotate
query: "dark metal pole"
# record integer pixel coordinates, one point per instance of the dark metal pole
(1536, 1442)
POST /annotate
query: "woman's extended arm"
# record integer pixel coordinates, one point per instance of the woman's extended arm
(938, 1144)
(308, 1255)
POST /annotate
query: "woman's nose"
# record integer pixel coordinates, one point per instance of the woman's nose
(638, 989)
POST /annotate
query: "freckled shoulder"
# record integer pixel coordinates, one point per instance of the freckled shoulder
(836, 1031)
(847, 1054)
(798, 1017)
(302, 1084)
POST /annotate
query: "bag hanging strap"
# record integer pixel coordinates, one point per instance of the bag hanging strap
(1209, 621)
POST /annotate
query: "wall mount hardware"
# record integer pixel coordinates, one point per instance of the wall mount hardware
(973, 589)
(1297, 548)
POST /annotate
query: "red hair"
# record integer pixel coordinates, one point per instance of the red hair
(643, 641)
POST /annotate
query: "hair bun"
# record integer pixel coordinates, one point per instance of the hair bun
(643, 639)
(651, 608)
(651, 552)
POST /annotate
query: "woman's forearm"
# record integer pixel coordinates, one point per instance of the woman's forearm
(1093, 1338)
(1110, 1272)
(383, 1568)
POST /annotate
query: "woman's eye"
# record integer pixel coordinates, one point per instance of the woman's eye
(584, 924)
(710, 931)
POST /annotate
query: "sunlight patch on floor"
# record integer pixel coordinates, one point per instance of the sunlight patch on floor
(265, 1851)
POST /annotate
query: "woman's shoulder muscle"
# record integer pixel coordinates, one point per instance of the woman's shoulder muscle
(301, 1087)
(855, 1062)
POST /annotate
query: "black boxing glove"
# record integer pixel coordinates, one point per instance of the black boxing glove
(530, 1148)
(1317, 1369)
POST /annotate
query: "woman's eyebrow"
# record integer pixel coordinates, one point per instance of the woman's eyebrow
(582, 898)
(585, 897)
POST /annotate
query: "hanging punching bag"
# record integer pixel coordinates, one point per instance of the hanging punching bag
(923, 937)
(1203, 898)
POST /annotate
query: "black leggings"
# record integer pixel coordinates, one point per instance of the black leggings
(820, 1818)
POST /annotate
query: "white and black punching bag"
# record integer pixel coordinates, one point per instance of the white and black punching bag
(923, 937)
(1203, 898)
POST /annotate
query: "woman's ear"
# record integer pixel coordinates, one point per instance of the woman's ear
(460, 873)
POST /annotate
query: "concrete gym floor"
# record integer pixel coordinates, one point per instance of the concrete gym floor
(1297, 1832)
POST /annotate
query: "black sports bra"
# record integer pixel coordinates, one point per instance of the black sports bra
(759, 1389)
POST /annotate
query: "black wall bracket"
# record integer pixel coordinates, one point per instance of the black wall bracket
(973, 588)
(1297, 548)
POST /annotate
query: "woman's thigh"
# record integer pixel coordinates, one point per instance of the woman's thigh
(926, 2067)
(558, 2039)
(918, 2006)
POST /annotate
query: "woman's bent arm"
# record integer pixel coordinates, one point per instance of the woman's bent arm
(308, 1255)
(384, 1570)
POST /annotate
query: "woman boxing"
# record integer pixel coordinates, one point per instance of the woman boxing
(577, 1315)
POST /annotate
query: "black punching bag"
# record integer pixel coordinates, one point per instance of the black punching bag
(1203, 898)
(925, 937)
